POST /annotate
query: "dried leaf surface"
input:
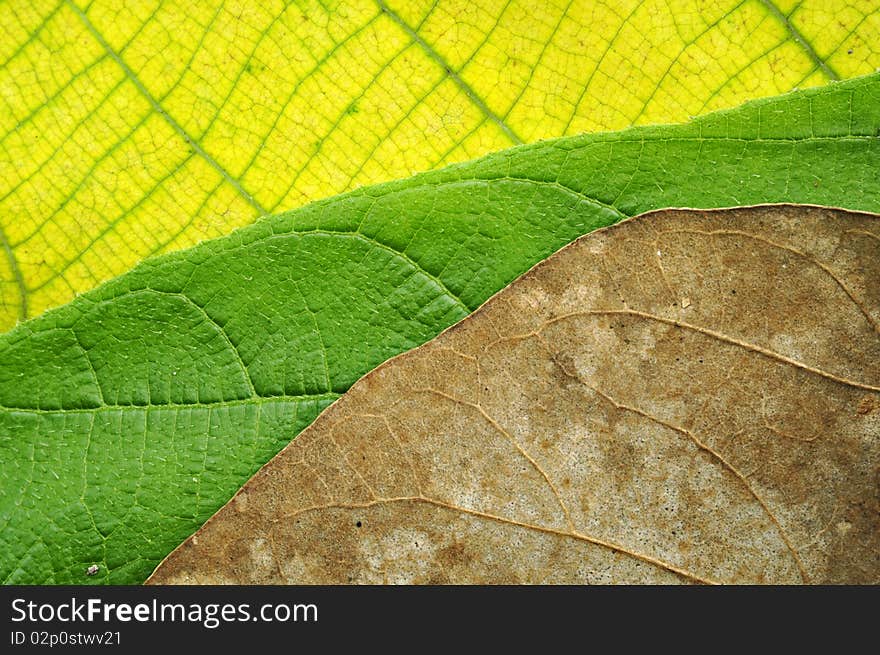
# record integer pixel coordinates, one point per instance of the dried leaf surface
(686, 396)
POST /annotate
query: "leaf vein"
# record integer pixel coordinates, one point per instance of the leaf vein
(453, 75)
(798, 38)
(157, 107)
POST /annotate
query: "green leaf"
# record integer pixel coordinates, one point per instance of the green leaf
(134, 412)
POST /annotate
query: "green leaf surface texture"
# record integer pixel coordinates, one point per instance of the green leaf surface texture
(134, 412)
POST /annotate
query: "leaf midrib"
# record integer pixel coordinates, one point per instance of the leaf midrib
(110, 407)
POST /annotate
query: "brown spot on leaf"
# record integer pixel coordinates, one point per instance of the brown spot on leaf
(866, 405)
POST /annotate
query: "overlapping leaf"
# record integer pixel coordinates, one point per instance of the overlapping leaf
(130, 415)
(129, 129)
(687, 396)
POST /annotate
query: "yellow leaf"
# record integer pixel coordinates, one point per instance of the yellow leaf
(132, 128)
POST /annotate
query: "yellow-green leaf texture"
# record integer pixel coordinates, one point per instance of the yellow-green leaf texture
(133, 128)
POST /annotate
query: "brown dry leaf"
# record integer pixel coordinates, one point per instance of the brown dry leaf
(586, 426)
